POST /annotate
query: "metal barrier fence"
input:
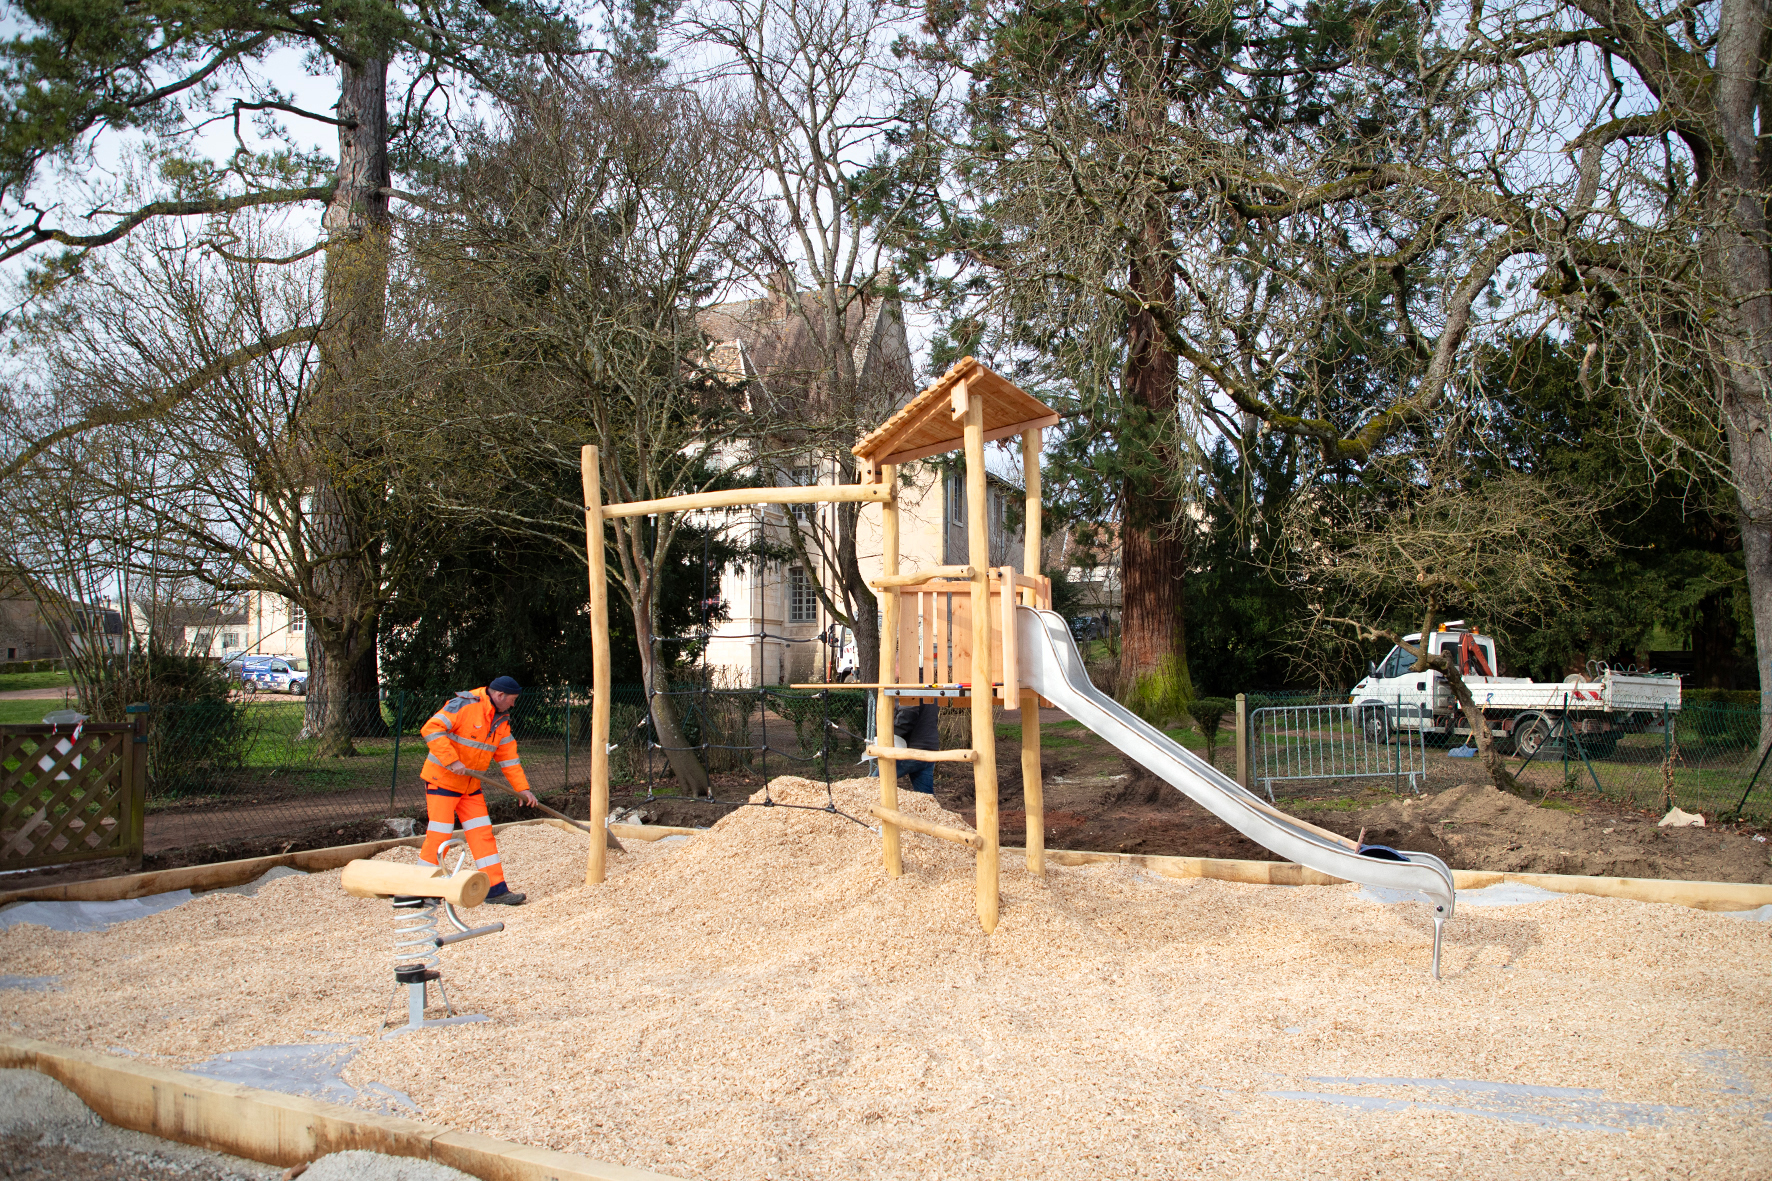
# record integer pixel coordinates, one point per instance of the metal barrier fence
(1707, 757)
(1305, 742)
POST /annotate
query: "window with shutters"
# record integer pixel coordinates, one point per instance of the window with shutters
(802, 603)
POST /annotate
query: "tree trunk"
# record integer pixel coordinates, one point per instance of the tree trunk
(1737, 180)
(667, 723)
(356, 283)
(1473, 717)
(1713, 643)
(1154, 680)
(864, 609)
(330, 716)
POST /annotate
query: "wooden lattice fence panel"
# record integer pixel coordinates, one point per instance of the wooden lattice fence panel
(71, 793)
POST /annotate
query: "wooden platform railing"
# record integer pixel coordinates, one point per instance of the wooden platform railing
(72, 793)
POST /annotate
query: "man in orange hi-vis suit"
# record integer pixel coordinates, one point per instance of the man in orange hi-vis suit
(471, 731)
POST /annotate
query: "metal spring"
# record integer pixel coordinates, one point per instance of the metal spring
(415, 932)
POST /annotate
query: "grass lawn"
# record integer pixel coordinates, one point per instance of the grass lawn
(46, 680)
(30, 710)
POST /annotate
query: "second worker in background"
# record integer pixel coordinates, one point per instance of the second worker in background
(920, 727)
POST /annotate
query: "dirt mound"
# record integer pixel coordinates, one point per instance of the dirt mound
(1476, 826)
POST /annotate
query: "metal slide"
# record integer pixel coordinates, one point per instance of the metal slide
(1048, 663)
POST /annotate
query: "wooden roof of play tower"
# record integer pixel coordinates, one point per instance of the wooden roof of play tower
(934, 421)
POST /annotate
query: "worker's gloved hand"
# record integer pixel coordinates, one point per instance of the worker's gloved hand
(528, 797)
(459, 767)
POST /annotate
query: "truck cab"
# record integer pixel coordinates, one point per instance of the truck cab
(1424, 700)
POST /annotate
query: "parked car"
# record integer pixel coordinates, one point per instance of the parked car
(283, 674)
(244, 668)
(1090, 627)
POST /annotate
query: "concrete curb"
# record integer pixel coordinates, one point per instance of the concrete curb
(284, 1130)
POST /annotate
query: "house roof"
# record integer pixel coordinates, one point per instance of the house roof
(773, 339)
(932, 422)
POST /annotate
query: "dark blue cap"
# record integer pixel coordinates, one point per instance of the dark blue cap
(505, 685)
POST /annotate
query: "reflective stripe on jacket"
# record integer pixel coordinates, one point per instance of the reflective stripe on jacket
(467, 729)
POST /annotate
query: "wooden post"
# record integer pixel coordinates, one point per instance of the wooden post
(984, 734)
(135, 784)
(1033, 790)
(591, 473)
(891, 855)
(1243, 740)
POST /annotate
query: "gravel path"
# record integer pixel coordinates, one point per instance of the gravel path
(760, 1001)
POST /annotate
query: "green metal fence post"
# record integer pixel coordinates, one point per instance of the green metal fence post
(1563, 726)
(399, 725)
(135, 786)
(566, 784)
(1754, 778)
(1397, 750)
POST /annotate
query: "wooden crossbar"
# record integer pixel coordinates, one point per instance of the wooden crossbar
(928, 828)
(921, 576)
(905, 753)
(739, 497)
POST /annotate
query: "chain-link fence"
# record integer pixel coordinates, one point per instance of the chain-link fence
(1705, 757)
(244, 776)
(238, 777)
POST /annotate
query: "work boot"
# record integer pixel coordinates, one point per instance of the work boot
(508, 898)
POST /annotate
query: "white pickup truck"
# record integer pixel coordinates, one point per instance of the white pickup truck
(1524, 713)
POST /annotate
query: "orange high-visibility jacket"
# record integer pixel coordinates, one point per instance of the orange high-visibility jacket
(469, 729)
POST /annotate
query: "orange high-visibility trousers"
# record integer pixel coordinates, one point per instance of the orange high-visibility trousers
(444, 808)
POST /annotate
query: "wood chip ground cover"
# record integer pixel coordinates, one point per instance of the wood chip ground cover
(762, 1002)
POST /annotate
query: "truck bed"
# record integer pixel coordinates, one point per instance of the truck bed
(1612, 692)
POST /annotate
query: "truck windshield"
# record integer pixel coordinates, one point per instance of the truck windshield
(1397, 663)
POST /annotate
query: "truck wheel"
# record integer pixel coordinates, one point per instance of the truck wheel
(1531, 736)
(1374, 725)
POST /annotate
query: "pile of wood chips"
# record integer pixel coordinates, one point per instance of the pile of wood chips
(761, 1001)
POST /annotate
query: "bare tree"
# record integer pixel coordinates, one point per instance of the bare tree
(561, 275)
(1414, 540)
(231, 492)
(823, 95)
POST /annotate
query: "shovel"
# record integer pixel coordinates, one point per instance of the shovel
(609, 839)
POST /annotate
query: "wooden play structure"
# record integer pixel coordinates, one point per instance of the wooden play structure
(947, 633)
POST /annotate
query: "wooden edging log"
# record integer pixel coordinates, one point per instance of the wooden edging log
(928, 828)
(220, 875)
(283, 1130)
(653, 832)
(198, 878)
(1698, 895)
